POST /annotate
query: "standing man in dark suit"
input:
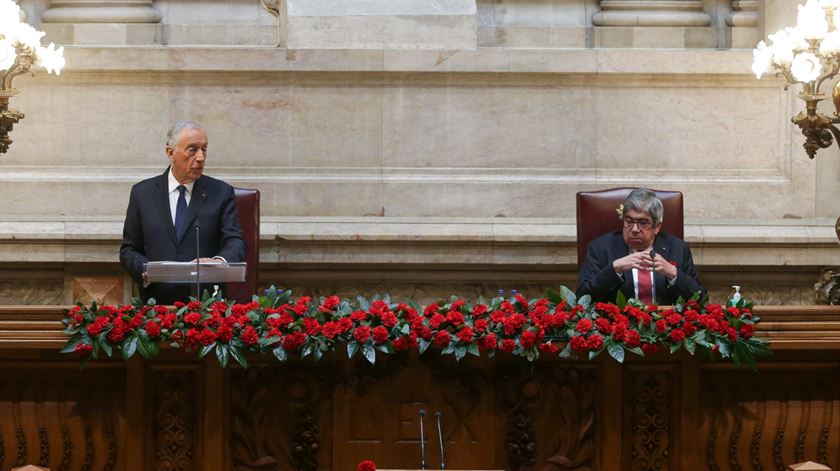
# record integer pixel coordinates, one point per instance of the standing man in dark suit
(164, 211)
(642, 262)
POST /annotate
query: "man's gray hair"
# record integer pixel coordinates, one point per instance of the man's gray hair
(646, 201)
(175, 131)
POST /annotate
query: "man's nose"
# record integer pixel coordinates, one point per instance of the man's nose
(200, 155)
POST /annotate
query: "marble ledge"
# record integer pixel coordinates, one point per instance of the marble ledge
(489, 60)
(723, 233)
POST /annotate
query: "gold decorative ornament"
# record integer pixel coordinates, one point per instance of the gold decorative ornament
(20, 50)
(273, 7)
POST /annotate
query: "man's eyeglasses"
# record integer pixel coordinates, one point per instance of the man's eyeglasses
(644, 224)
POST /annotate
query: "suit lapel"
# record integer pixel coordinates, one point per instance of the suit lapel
(199, 196)
(162, 200)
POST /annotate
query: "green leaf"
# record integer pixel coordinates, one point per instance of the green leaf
(568, 295)
(144, 347)
(567, 351)
(449, 349)
(222, 354)
(385, 348)
(689, 346)
(369, 352)
(460, 352)
(307, 350)
(266, 341)
(593, 354)
(280, 353)
(70, 346)
(585, 301)
(531, 355)
(554, 296)
(620, 300)
(238, 356)
(616, 351)
(318, 353)
(636, 350)
(252, 316)
(205, 350)
(472, 349)
(673, 348)
(723, 348)
(424, 345)
(364, 304)
(106, 347)
(352, 348)
(129, 347)
(406, 329)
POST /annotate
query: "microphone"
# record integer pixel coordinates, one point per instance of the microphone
(440, 440)
(422, 441)
(652, 254)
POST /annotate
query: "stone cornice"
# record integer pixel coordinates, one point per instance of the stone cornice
(492, 60)
(479, 241)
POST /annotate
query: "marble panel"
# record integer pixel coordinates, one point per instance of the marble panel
(379, 7)
(112, 34)
(532, 12)
(382, 32)
(533, 36)
(496, 126)
(219, 34)
(231, 12)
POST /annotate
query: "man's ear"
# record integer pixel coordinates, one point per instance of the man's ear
(657, 228)
(170, 151)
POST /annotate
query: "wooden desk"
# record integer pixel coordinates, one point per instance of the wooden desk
(666, 412)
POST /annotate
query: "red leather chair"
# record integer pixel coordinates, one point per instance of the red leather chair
(596, 214)
(248, 206)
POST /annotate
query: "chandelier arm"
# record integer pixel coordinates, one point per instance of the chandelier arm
(22, 65)
(835, 67)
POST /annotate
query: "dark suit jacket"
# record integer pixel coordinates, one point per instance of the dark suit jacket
(149, 235)
(598, 278)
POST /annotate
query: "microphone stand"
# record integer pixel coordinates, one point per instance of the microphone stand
(422, 441)
(197, 264)
(440, 440)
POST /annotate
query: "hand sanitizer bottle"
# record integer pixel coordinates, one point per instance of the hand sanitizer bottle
(736, 295)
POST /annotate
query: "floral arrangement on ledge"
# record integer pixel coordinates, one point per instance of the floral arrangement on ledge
(558, 324)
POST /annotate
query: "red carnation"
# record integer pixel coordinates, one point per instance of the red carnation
(400, 343)
(225, 333)
(83, 348)
(583, 326)
(488, 342)
(367, 465)
(747, 330)
(331, 329)
(649, 348)
(192, 318)
(507, 345)
(249, 336)
(294, 341)
(481, 325)
(677, 335)
(436, 320)
(528, 339)
(153, 329)
(595, 342)
(578, 343)
(465, 335)
(442, 338)
(361, 334)
(330, 304)
(380, 334)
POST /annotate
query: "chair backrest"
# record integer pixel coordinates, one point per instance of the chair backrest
(596, 214)
(248, 207)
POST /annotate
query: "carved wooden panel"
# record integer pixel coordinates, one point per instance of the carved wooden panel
(649, 418)
(551, 417)
(61, 418)
(380, 420)
(175, 424)
(280, 417)
(770, 419)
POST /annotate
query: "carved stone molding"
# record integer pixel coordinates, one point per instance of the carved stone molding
(651, 13)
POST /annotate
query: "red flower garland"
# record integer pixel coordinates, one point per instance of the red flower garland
(277, 323)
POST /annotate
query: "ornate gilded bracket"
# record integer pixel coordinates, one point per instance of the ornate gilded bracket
(274, 7)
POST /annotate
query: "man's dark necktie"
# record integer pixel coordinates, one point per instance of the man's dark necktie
(181, 213)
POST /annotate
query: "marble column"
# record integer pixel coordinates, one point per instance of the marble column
(102, 22)
(653, 24)
(743, 24)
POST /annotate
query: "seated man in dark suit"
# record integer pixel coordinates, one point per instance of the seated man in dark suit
(641, 261)
(164, 211)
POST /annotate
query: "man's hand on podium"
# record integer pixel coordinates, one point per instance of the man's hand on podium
(209, 260)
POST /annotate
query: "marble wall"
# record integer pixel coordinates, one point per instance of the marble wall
(417, 137)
